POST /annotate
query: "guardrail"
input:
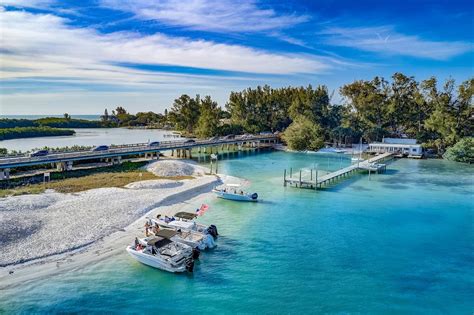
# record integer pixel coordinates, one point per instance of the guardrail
(134, 148)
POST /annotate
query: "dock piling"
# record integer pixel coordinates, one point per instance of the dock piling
(369, 165)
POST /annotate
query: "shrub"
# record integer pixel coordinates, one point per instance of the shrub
(462, 151)
(303, 134)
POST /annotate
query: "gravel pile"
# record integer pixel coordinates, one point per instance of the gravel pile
(175, 168)
(155, 184)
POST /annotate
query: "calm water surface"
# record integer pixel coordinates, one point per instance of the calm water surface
(88, 137)
(399, 243)
(87, 117)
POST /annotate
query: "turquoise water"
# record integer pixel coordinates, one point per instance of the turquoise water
(399, 243)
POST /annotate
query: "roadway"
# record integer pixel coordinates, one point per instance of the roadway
(123, 150)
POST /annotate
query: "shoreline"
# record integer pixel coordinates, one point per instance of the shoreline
(103, 248)
(184, 195)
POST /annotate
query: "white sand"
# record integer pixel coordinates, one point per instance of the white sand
(44, 234)
(105, 248)
(38, 226)
(35, 226)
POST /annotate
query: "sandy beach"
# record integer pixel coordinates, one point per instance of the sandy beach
(48, 232)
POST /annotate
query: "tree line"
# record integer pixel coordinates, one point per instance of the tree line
(437, 115)
(119, 117)
(30, 132)
(52, 122)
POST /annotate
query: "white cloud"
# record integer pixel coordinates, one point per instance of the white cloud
(209, 15)
(27, 3)
(43, 45)
(386, 40)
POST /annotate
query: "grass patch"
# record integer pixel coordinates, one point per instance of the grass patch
(76, 181)
(100, 180)
(24, 190)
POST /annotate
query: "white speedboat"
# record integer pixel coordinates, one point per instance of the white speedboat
(182, 232)
(162, 253)
(185, 221)
(331, 150)
(232, 192)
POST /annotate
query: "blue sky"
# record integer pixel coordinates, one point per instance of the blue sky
(83, 56)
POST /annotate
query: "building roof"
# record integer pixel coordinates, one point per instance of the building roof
(378, 144)
(399, 141)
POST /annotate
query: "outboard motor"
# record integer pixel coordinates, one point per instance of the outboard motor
(196, 253)
(254, 196)
(215, 229)
(190, 265)
(212, 230)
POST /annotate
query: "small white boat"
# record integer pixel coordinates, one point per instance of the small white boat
(162, 253)
(231, 192)
(185, 221)
(331, 150)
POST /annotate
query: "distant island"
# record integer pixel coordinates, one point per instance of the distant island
(438, 118)
(42, 127)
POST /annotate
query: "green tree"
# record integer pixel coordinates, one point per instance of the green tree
(462, 151)
(442, 121)
(185, 113)
(368, 106)
(208, 122)
(120, 111)
(464, 109)
(304, 134)
(124, 118)
(402, 105)
(105, 117)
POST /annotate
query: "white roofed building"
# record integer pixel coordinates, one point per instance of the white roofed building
(403, 146)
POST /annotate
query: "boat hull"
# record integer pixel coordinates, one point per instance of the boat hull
(235, 197)
(154, 261)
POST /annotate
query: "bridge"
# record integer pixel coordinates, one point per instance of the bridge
(64, 160)
(370, 165)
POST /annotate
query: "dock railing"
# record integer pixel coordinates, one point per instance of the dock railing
(315, 182)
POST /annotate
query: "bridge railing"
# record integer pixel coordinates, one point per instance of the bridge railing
(128, 148)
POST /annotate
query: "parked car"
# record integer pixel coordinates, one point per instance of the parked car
(100, 148)
(154, 144)
(228, 137)
(189, 141)
(39, 153)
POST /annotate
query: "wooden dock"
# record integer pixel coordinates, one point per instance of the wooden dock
(315, 182)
